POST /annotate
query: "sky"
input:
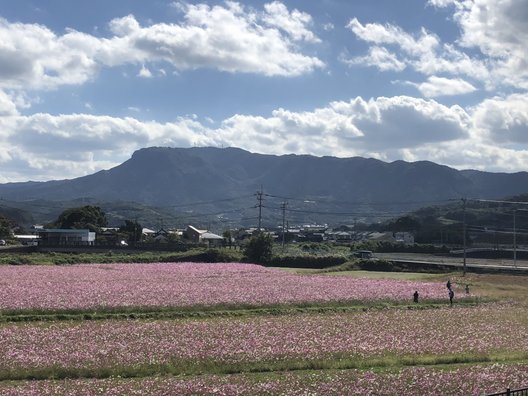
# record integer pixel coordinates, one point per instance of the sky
(83, 84)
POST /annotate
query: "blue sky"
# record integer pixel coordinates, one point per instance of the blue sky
(85, 84)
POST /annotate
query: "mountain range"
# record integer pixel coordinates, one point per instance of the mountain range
(207, 185)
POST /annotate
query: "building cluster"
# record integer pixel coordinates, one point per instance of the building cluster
(323, 233)
(111, 236)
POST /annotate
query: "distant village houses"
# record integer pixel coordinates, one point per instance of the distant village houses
(196, 235)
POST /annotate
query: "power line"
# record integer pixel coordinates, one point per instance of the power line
(336, 202)
(209, 202)
(498, 201)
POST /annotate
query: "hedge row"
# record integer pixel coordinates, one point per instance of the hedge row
(307, 261)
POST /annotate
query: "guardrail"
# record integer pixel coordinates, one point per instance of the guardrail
(511, 392)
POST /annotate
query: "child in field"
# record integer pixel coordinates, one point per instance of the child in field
(415, 296)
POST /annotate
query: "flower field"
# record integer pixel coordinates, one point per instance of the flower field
(475, 380)
(188, 284)
(86, 344)
(349, 348)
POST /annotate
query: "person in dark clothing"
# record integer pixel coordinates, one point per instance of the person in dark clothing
(415, 296)
(451, 295)
(448, 284)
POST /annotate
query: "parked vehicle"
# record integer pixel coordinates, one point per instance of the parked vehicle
(2, 242)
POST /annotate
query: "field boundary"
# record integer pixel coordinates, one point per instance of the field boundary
(224, 311)
(339, 361)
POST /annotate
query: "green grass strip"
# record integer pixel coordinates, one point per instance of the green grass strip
(103, 313)
(334, 362)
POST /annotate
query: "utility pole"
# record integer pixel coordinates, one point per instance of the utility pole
(283, 207)
(464, 231)
(514, 239)
(259, 195)
(135, 231)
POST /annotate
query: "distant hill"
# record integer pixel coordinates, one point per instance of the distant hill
(198, 181)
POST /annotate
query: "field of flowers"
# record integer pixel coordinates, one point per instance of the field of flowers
(188, 284)
(397, 349)
(225, 341)
(425, 381)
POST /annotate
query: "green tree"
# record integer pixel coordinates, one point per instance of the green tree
(5, 227)
(228, 238)
(132, 230)
(85, 217)
(405, 224)
(259, 249)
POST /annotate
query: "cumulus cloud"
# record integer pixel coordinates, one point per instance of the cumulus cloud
(343, 128)
(389, 34)
(33, 57)
(487, 136)
(64, 146)
(379, 57)
(144, 72)
(499, 29)
(440, 86)
(8, 106)
(356, 127)
(229, 38)
(293, 23)
(503, 120)
(423, 52)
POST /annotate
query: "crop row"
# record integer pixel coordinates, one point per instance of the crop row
(474, 380)
(188, 284)
(478, 330)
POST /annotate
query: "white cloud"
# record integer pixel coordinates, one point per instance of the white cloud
(7, 105)
(424, 52)
(499, 29)
(379, 57)
(503, 120)
(490, 136)
(33, 57)
(393, 35)
(144, 72)
(293, 23)
(440, 86)
(229, 38)
(356, 127)
(503, 60)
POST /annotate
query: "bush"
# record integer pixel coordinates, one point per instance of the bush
(204, 256)
(307, 261)
(259, 249)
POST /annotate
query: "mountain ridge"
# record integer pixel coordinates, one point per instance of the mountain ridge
(165, 177)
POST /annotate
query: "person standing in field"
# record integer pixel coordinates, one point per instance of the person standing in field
(448, 284)
(451, 295)
(415, 296)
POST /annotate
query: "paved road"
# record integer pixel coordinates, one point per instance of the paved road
(456, 262)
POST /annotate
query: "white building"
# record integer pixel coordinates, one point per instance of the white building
(66, 237)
